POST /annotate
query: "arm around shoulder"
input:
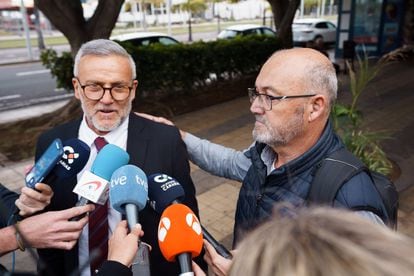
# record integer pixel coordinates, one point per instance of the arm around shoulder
(217, 159)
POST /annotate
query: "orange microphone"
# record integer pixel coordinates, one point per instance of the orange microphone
(180, 236)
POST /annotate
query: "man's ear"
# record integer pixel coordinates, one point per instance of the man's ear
(76, 88)
(317, 107)
(134, 90)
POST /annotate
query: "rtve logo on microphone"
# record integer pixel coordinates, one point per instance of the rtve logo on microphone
(123, 180)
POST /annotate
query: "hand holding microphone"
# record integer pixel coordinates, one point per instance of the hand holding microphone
(128, 195)
(58, 162)
(123, 246)
(31, 200)
(219, 265)
(179, 236)
(52, 229)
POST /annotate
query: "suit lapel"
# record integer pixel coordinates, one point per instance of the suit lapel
(137, 141)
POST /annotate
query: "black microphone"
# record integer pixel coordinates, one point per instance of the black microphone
(60, 161)
(163, 190)
(74, 158)
(217, 246)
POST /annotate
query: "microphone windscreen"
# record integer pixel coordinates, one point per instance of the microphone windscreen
(108, 159)
(179, 231)
(129, 185)
(74, 158)
(163, 190)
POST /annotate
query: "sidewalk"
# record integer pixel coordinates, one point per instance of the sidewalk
(387, 104)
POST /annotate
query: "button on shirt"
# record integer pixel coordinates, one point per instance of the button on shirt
(117, 137)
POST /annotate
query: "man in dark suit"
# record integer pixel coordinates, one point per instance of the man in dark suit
(104, 82)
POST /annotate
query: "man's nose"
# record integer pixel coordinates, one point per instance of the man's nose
(107, 97)
(256, 107)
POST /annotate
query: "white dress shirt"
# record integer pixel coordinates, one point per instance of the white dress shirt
(117, 137)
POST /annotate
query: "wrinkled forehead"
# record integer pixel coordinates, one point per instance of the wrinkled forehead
(98, 66)
(281, 74)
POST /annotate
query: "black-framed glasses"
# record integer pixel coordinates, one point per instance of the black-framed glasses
(95, 91)
(266, 100)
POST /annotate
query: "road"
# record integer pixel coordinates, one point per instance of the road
(29, 83)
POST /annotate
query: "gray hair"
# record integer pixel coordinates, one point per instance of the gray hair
(102, 47)
(322, 77)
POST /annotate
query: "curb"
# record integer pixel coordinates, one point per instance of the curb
(19, 62)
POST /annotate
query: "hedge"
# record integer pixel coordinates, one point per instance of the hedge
(183, 69)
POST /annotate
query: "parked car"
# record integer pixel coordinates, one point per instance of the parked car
(313, 29)
(146, 38)
(245, 29)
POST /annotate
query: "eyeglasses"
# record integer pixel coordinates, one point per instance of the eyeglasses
(266, 100)
(95, 91)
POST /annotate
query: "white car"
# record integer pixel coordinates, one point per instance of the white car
(245, 29)
(313, 29)
(146, 38)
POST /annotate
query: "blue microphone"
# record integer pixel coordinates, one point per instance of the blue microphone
(109, 158)
(93, 184)
(128, 192)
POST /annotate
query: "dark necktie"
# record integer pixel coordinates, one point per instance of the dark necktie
(98, 226)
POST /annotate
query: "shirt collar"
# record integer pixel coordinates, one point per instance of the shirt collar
(87, 135)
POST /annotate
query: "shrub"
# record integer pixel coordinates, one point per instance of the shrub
(348, 119)
(60, 67)
(182, 69)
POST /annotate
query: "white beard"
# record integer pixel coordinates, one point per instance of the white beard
(106, 128)
(281, 136)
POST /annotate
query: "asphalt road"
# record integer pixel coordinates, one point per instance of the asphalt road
(27, 84)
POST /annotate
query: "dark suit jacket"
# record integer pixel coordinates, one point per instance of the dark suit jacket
(153, 147)
(111, 268)
(7, 206)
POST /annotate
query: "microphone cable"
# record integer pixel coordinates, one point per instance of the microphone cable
(13, 221)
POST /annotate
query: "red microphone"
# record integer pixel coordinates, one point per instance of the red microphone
(180, 236)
